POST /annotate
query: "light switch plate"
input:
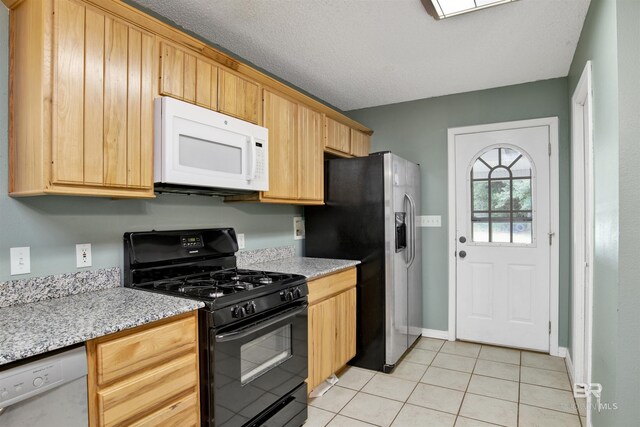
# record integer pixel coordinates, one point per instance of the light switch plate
(429, 221)
(83, 255)
(298, 228)
(20, 260)
(240, 237)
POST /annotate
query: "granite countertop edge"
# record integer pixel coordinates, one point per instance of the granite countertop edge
(311, 268)
(34, 329)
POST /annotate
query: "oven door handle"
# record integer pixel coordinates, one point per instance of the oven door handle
(255, 327)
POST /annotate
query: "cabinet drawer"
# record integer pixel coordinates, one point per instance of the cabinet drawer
(125, 400)
(129, 354)
(330, 285)
(182, 413)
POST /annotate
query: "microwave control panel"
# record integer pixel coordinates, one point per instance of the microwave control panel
(260, 169)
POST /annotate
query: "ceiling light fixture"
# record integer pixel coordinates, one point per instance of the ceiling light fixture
(441, 9)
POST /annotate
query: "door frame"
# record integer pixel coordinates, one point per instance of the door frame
(582, 194)
(554, 217)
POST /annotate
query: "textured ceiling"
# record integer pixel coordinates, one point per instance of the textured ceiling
(362, 53)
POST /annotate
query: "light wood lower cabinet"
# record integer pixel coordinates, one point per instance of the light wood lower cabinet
(146, 376)
(332, 324)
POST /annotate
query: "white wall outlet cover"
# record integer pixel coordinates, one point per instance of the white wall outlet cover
(429, 221)
(83, 255)
(298, 228)
(240, 238)
(20, 260)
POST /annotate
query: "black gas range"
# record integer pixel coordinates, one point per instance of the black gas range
(252, 330)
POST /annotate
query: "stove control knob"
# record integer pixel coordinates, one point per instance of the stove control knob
(286, 295)
(239, 312)
(297, 293)
(251, 308)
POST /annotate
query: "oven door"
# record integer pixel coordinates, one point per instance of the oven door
(257, 365)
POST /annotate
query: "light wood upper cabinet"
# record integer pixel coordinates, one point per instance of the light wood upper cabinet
(295, 153)
(332, 324)
(239, 97)
(337, 136)
(83, 77)
(145, 376)
(82, 118)
(310, 155)
(360, 143)
(281, 118)
(188, 76)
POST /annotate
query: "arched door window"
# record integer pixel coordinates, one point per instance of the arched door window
(501, 197)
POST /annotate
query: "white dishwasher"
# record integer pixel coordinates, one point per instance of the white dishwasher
(50, 391)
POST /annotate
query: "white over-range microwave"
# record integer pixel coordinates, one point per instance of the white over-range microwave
(200, 151)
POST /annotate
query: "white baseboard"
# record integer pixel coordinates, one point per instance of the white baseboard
(569, 363)
(562, 352)
(434, 333)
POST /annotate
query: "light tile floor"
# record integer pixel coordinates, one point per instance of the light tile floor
(442, 383)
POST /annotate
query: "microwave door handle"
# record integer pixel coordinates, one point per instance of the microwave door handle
(254, 158)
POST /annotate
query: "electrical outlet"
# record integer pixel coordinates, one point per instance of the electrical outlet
(298, 228)
(83, 255)
(20, 260)
(429, 221)
(240, 238)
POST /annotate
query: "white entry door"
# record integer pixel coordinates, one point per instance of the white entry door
(503, 236)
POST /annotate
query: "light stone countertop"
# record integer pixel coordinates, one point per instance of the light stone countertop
(312, 268)
(30, 329)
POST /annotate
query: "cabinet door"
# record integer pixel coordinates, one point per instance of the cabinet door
(322, 329)
(337, 136)
(102, 100)
(345, 349)
(188, 77)
(360, 143)
(281, 118)
(239, 97)
(310, 157)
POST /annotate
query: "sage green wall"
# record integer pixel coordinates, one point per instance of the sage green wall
(598, 42)
(628, 17)
(52, 225)
(417, 130)
(610, 39)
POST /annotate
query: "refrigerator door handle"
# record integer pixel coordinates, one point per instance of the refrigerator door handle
(411, 244)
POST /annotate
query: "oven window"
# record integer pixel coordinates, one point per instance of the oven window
(264, 353)
(210, 155)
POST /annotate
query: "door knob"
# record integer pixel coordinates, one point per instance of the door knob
(462, 239)
(462, 254)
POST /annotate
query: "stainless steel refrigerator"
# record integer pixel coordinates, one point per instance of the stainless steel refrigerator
(370, 210)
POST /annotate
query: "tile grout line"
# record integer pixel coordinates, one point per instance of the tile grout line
(466, 391)
(547, 409)
(464, 396)
(519, 388)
